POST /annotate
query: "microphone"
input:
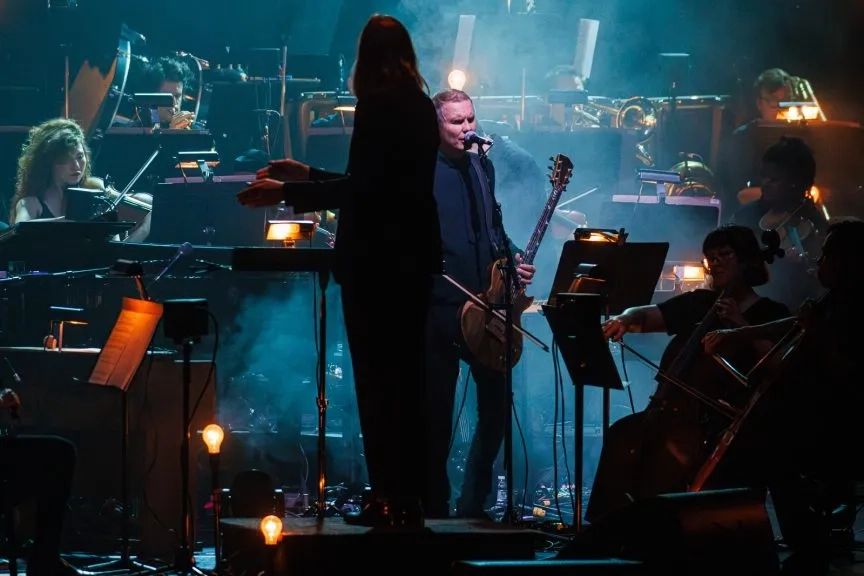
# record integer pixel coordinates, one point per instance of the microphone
(473, 138)
(184, 250)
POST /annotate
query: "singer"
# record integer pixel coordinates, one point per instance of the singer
(473, 238)
(40, 468)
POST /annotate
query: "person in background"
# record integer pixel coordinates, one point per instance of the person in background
(389, 339)
(164, 75)
(787, 175)
(738, 163)
(56, 157)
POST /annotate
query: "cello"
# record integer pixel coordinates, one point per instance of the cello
(661, 449)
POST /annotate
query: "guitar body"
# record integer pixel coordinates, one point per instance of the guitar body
(485, 334)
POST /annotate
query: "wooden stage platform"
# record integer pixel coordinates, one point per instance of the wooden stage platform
(329, 545)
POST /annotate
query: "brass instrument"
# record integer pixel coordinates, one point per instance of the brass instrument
(636, 113)
(697, 179)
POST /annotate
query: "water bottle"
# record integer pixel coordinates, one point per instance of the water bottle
(501, 495)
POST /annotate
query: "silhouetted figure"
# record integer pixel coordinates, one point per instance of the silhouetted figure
(385, 285)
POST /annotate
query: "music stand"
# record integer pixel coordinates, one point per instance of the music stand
(596, 279)
(118, 362)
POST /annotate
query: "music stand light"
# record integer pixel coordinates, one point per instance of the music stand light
(289, 231)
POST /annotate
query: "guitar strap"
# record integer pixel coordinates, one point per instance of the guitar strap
(491, 209)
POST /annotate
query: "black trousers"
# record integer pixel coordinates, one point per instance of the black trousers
(387, 343)
(442, 373)
(40, 468)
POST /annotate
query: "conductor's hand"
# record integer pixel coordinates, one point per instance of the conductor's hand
(718, 338)
(286, 170)
(261, 193)
(616, 327)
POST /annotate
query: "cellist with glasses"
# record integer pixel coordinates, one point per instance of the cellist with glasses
(660, 449)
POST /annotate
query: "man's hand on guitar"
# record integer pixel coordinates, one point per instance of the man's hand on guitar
(9, 399)
(525, 271)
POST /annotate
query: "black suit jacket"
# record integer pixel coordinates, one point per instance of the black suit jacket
(391, 169)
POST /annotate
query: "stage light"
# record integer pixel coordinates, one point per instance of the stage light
(213, 436)
(457, 79)
(689, 273)
(271, 527)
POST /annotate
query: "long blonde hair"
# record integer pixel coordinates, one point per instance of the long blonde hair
(46, 145)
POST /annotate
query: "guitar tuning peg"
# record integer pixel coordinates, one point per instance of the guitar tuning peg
(550, 168)
(551, 158)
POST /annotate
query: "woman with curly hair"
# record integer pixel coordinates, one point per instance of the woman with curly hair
(54, 158)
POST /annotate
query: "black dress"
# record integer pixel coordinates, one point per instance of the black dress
(385, 267)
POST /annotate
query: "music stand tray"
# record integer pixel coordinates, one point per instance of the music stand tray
(629, 271)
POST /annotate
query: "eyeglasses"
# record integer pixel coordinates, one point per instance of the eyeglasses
(718, 257)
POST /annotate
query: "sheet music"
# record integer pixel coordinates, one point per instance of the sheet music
(127, 345)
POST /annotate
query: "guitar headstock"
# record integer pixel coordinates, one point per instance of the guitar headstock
(560, 172)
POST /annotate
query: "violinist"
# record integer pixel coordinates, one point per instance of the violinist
(735, 264)
(787, 176)
(808, 431)
(54, 158)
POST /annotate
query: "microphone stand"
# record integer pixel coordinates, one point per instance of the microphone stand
(511, 281)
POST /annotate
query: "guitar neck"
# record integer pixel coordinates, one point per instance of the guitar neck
(542, 225)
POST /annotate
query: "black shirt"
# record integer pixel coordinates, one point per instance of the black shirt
(684, 312)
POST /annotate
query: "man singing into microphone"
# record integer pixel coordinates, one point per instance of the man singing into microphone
(473, 238)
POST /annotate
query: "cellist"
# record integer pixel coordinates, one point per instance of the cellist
(657, 450)
(809, 442)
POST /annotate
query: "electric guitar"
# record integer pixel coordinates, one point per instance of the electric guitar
(484, 333)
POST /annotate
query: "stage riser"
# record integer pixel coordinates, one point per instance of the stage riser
(338, 547)
(552, 568)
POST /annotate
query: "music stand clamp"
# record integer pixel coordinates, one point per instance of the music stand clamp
(595, 279)
(659, 178)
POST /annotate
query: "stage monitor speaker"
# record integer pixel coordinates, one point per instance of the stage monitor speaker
(712, 532)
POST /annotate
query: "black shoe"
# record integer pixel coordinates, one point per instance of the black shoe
(381, 513)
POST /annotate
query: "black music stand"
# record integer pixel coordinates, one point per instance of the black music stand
(118, 362)
(596, 279)
(318, 261)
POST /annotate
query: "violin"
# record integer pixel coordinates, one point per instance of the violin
(98, 199)
(796, 228)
